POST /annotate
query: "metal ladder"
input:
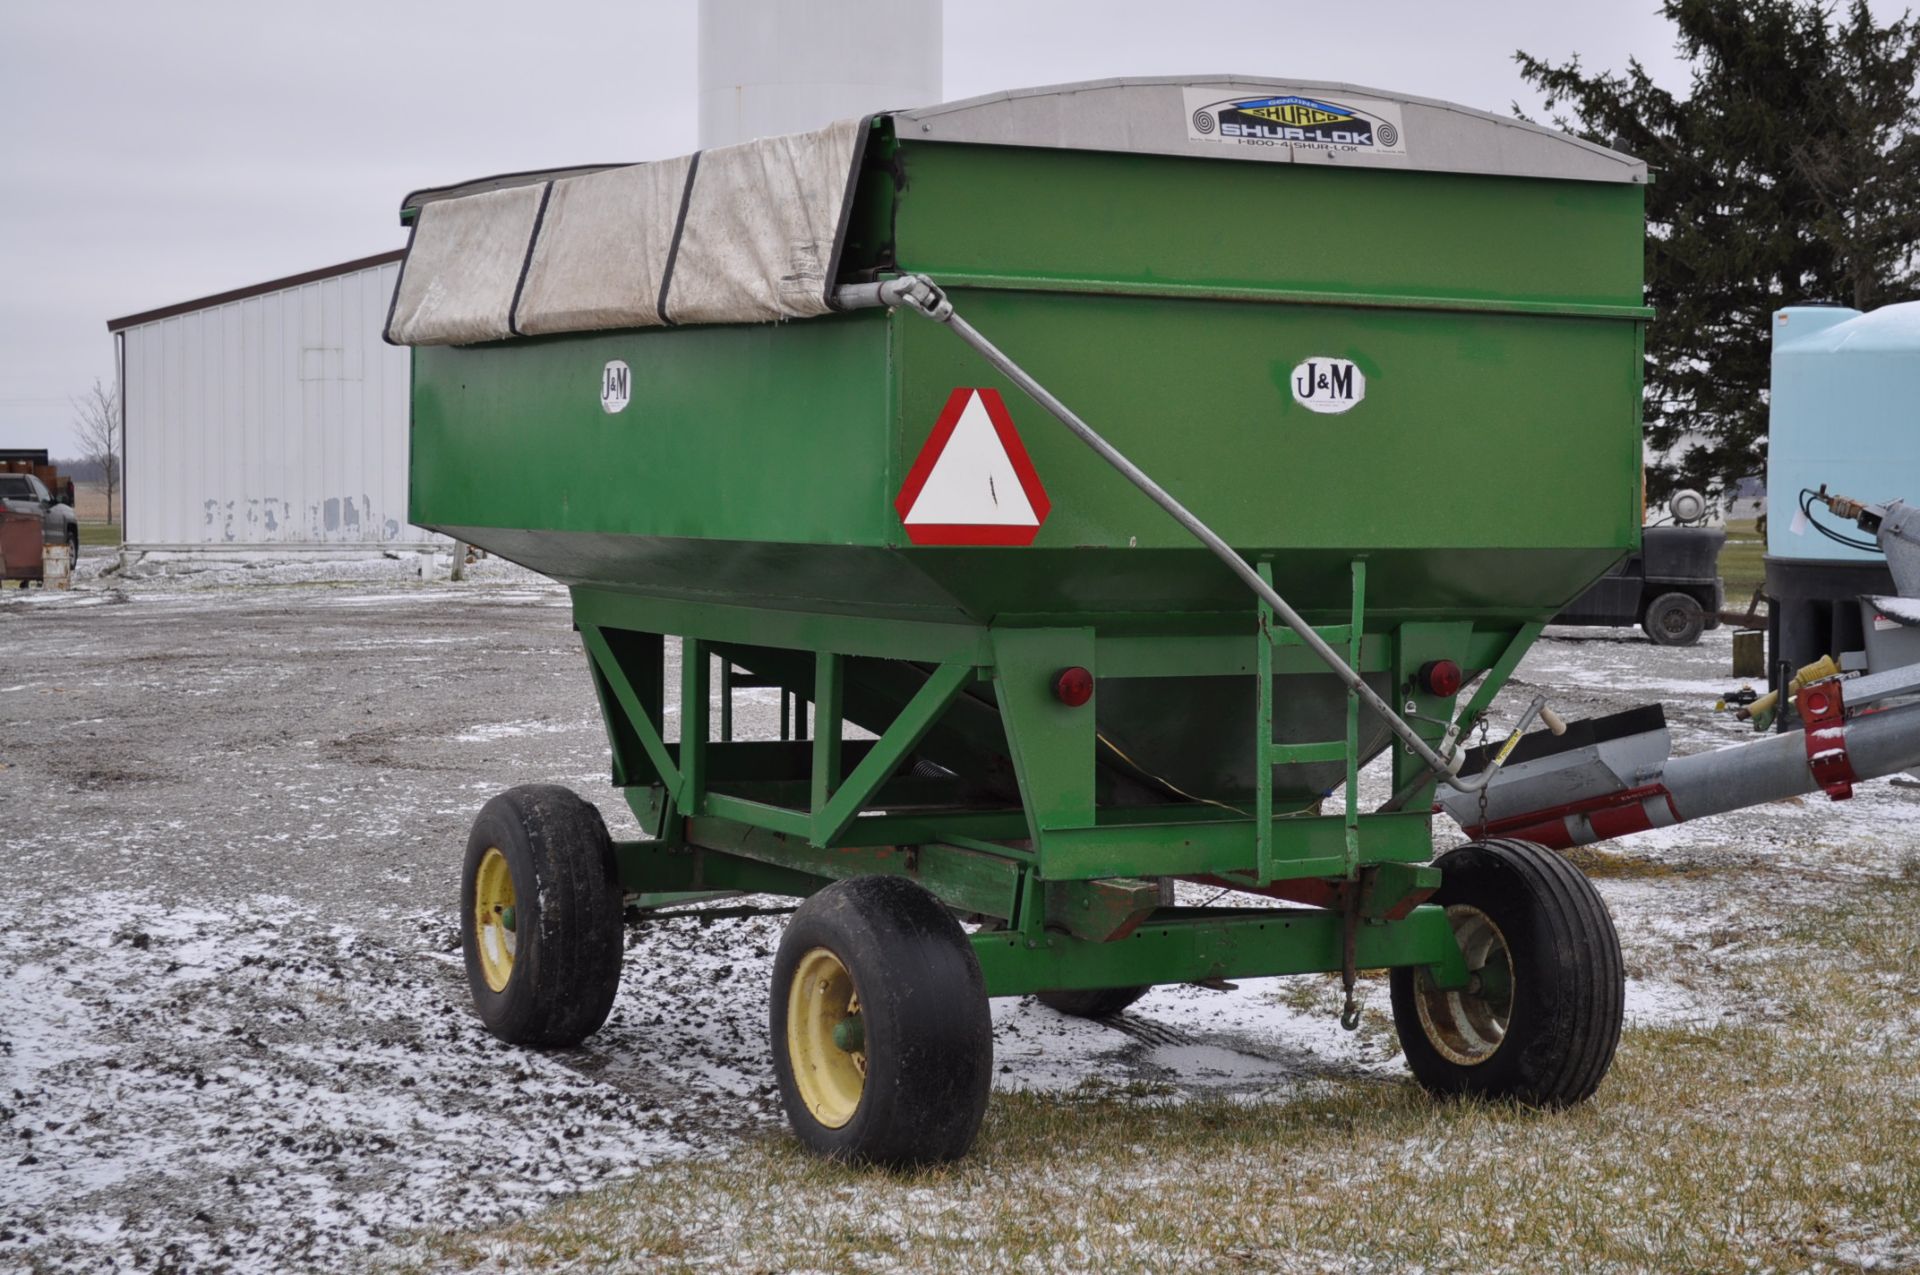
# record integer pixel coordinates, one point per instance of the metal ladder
(1270, 753)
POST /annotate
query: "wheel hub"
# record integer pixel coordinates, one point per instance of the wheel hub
(495, 918)
(826, 1038)
(1466, 1025)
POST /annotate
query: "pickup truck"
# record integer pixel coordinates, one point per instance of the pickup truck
(26, 494)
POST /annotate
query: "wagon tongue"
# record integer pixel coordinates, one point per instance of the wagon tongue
(1616, 775)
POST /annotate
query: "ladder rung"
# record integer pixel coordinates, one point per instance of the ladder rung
(1284, 754)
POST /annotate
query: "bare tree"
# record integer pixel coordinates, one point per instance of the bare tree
(97, 421)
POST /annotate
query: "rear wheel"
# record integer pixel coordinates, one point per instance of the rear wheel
(1540, 1017)
(540, 917)
(882, 1043)
(1674, 619)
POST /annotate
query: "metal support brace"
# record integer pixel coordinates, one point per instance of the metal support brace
(628, 698)
(832, 816)
(695, 723)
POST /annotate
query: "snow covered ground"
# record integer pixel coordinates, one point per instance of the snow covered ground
(235, 1031)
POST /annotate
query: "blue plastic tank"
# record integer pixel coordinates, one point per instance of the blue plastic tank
(1845, 411)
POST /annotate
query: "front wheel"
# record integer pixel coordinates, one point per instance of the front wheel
(882, 1043)
(540, 904)
(1540, 1017)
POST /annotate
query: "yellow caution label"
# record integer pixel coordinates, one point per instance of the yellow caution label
(1513, 742)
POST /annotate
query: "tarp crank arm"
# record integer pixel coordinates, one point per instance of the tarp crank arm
(921, 295)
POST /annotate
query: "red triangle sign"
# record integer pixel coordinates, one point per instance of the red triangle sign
(973, 483)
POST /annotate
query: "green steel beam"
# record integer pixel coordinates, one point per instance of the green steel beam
(829, 681)
(1415, 644)
(1252, 944)
(1052, 745)
(746, 625)
(1503, 667)
(630, 703)
(1304, 846)
(830, 821)
(655, 868)
(967, 880)
(758, 814)
(696, 670)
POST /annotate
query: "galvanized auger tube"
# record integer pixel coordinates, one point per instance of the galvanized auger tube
(923, 296)
(1699, 785)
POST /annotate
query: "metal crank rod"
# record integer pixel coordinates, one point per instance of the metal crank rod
(921, 295)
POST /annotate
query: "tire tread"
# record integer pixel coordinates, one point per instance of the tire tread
(1575, 943)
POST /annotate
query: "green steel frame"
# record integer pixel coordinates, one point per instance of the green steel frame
(1069, 878)
(1500, 331)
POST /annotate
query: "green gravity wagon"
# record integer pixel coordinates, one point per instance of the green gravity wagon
(1100, 476)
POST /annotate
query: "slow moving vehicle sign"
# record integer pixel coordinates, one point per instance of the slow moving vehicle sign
(973, 483)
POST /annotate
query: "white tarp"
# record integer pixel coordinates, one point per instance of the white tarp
(462, 266)
(602, 250)
(740, 234)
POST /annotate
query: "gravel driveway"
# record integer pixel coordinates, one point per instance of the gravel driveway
(235, 1034)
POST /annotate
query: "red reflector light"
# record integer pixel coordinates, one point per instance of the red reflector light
(1073, 686)
(1440, 677)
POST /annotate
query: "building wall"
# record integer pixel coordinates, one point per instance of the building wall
(276, 421)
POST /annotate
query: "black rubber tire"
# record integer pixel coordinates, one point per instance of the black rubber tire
(1101, 1002)
(1674, 619)
(1569, 983)
(73, 546)
(567, 893)
(923, 1004)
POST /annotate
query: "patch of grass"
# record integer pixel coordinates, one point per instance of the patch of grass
(95, 534)
(1741, 566)
(1602, 864)
(1787, 1141)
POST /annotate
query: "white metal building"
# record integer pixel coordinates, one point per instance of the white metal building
(268, 418)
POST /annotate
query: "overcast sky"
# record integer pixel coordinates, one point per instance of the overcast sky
(156, 152)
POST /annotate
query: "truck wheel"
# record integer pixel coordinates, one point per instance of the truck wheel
(540, 903)
(881, 1039)
(1674, 619)
(1101, 1002)
(73, 546)
(1540, 1019)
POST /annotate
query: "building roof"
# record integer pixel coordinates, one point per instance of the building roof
(255, 290)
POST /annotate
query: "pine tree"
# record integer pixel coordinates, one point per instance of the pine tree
(1789, 174)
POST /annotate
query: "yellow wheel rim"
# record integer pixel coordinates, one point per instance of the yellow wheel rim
(494, 918)
(826, 1040)
(1468, 1025)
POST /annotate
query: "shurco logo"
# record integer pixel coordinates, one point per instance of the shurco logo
(1328, 385)
(1293, 120)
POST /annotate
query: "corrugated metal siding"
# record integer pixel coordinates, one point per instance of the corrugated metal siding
(278, 420)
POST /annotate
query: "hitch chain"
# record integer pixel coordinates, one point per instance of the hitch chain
(1349, 940)
(1481, 727)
